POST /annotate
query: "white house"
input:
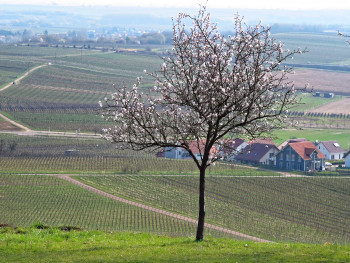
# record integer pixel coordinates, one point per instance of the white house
(347, 159)
(196, 147)
(229, 149)
(331, 149)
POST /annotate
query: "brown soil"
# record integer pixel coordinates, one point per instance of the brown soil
(6, 126)
(322, 80)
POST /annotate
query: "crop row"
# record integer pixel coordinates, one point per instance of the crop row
(275, 208)
(123, 165)
(25, 200)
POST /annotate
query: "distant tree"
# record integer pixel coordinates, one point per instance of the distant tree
(209, 87)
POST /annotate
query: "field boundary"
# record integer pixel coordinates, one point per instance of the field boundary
(160, 211)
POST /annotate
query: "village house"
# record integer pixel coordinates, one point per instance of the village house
(229, 149)
(258, 153)
(283, 144)
(347, 159)
(331, 149)
(197, 148)
(302, 156)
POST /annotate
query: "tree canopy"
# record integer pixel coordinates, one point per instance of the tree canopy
(209, 87)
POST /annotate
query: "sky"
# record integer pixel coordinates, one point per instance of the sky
(253, 4)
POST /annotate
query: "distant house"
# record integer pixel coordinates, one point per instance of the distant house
(231, 148)
(331, 149)
(196, 147)
(328, 95)
(258, 153)
(347, 159)
(302, 156)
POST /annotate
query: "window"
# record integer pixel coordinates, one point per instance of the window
(293, 157)
(332, 157)
(336, 144)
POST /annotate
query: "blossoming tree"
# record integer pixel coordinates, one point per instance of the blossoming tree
(209, 87)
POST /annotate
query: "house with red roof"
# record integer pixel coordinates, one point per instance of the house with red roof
(302, 156)
(331, 149)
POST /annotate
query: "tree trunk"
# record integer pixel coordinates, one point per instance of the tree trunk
(201, 215)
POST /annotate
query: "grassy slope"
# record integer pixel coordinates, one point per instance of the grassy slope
(340, 135)
(53, 245)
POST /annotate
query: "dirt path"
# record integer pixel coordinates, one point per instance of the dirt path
(160, 211)
(26, 129)
(22, 77)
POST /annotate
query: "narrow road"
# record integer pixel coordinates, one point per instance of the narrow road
(160, 211)
(26, 129)
(22, 77)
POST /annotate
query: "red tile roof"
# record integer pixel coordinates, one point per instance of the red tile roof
(197, 147)
(305, 149)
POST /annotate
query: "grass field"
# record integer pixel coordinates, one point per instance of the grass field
(340, 135)
(54, 245)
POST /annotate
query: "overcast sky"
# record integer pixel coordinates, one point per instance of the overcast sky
(254, 4)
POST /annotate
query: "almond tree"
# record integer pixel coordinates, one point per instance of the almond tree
(209, 87)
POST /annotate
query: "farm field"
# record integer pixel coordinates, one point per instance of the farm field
(338, 107)
(29, 199)
(323, 80)
(70, 87)
(281, 209)
(63, 96)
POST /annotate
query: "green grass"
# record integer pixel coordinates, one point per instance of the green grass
(309, 101)
(340, 135)
(54, 245)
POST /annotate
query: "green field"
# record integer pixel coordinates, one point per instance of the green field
(308, 101)
(322, 49)
(54, 245)
(274, 208)
(27, 199)
(340, 135)
(70, 87)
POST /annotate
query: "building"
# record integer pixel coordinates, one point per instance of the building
(229, 149)
(196, 147)
(283, 144)
(258, 153)
(302, 156)
(331, 149)
(328, 95)
(347, 159)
